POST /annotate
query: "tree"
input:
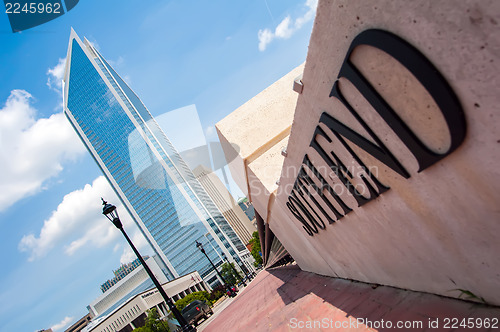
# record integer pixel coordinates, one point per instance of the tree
(202, 296)
(230, 274)
(153, 323)
(218, 292)
(255, 242)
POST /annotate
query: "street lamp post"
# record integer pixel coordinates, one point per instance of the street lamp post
(205, 235)
(232, 267)
(111, 213)
(247, 272)
(243, 268)
(200, 246)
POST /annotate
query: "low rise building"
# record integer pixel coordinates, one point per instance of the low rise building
(133, 283)
(80, 324)
(130, 311)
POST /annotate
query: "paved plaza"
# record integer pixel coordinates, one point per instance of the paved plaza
(289, 299)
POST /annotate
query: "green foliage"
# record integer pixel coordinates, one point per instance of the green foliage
(217, 293)
(203, 296)
(230, 274)
(469, 295)
(153, 323)
(255, 242)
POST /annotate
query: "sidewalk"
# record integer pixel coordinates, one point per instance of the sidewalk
(288, 299)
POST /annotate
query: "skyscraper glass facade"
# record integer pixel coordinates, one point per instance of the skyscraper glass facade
(156, 186)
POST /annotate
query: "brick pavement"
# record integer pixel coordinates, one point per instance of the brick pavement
(288, 299)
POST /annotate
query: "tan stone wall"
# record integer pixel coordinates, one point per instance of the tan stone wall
(252, 138)
(438, 230)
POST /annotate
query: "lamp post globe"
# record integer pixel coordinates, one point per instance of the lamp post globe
(111, 213)
(200, 247)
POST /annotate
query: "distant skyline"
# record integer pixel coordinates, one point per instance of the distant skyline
(123, 270)
(56, 247)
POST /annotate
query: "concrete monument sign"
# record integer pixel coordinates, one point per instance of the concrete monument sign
(393, 122)
(391, 170)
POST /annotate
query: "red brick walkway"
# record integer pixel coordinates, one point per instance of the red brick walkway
(288, 299)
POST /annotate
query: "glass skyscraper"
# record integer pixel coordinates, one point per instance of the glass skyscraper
(155, 185)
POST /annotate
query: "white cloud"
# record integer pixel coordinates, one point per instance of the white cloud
(127, 256)
(54, 81)
(285, 29)
(77, 222)
(127, 79)
(62, 324)
(309, 15)
(31, 151)
(140, 243)
(210, 132)
(118, 62)
(95, 44)
(265, 37)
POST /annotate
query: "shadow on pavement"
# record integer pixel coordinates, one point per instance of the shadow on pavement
(372, 303)
(289, 299)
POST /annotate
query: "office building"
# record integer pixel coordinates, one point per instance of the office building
(225, 203)
(247, 208)
(143, 167)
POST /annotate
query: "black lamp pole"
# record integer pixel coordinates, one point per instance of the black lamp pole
(247, 272)
(111, 213)
(200, 246)
(232, 267)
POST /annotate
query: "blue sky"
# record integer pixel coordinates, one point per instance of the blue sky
(56, 248)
